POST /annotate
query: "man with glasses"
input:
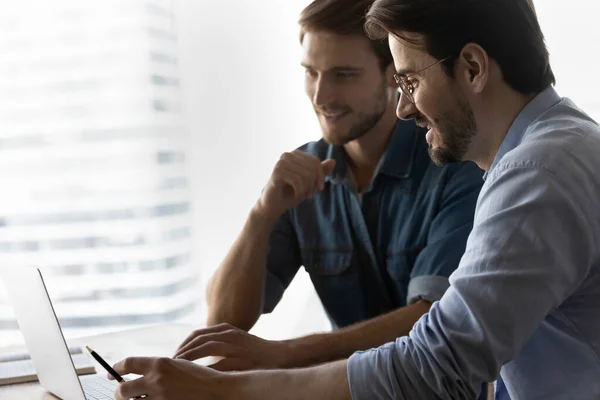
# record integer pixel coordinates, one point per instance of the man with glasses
(375, 223)
(405, 84)
(524, 301)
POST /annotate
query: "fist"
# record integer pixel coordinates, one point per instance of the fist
(295, 178)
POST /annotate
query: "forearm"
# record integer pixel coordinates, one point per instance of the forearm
(325, 347)
(328, 381)
(235, 293)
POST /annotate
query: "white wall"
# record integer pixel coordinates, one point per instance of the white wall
(244, 102)
(572, 32)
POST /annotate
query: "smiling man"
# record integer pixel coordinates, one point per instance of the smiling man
(524, 301)
(375, 223)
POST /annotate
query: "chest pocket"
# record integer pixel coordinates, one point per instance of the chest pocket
(326, 262)
(399, 264)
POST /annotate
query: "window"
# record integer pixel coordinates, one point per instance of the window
(160, 80)
(110, 227)
(74, 217)
(70, 270)
(163, 58)
(169, 157)
(19, 247)
(209, 143)
(178, 182)
(161, 34)
(159, 11)
(169, 209)
(161, 105)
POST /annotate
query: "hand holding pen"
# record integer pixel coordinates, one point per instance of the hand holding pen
(109, 369)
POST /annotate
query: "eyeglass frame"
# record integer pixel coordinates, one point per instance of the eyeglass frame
(406, 87)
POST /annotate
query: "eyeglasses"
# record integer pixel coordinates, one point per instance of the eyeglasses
(406, 86)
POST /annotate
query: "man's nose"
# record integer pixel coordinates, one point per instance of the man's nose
(323, 93)
(406, 109)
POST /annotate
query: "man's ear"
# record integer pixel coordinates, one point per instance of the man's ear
(472, 68)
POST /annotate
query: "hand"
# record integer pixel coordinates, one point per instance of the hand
(294, 179)
(167, 379)
(241, 350)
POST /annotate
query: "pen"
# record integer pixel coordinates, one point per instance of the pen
(107, 367)
(110, 369)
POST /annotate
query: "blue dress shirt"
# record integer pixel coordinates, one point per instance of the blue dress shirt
(525, 300)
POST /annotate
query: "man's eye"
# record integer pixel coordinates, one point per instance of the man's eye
(346, 74)
(310, 72)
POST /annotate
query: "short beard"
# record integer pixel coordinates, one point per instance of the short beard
(366, 124)
(456, 133)
(366, 121)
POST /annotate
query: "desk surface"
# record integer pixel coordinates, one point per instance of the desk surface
(153, 341)
(159, 340)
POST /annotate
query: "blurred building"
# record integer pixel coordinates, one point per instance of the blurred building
(94, 185)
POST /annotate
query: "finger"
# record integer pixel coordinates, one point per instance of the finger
(301, 166)
(317, 178)
(309, 159)
(313, 165)
(305, 160)
(232, 336)
(232, 364)
(132, 389)
(327, 166)
(322, 168)
(134, 365)
(204, 331)
(291, 179)
(200, 332)
(227, 336)
(308, 175)
(215, 349)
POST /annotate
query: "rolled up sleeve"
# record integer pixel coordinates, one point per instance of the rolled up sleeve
(283, 262)
(531, 246)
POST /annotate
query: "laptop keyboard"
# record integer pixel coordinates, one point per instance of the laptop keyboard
(97, 387)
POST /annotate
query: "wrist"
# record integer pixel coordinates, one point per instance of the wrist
(253, 385)
(327, 381)
(306, 351)
(260, 214)
(236, 386)
(290, 354)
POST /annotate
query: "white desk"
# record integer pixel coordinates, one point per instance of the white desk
(161, 340)
(158, 341)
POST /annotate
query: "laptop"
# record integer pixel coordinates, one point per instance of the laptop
(45, 340)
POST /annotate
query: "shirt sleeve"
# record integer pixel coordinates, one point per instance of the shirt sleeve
(283, 261)
(530, 248)
(447, 235)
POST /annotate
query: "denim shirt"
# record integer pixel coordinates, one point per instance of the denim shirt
(387, 247)
(525, 300)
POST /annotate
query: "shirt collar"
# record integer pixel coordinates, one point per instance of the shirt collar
(536, 107)
(397, 160)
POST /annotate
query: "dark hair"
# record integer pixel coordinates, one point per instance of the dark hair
(508, 30)
(344, 17)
